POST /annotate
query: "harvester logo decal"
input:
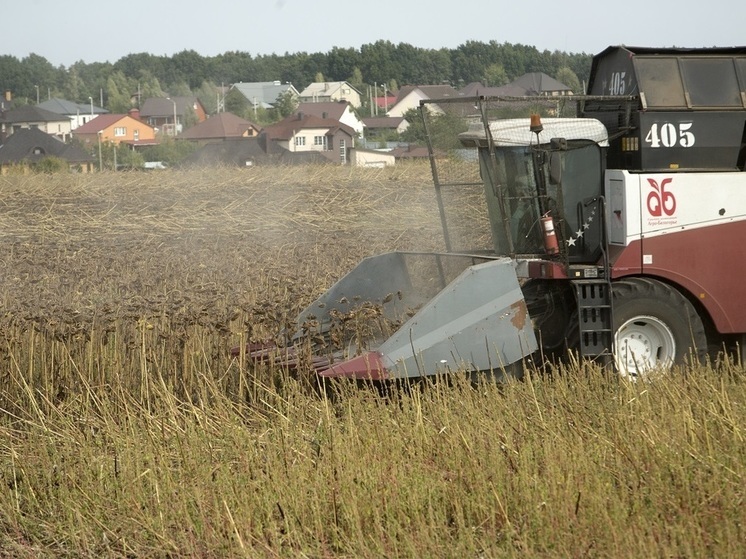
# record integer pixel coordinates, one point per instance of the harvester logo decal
(660, 200)
(661, 203)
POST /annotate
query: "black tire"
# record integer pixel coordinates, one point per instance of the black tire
(655, 327)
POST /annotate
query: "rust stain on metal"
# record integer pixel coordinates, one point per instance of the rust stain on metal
(520, 314)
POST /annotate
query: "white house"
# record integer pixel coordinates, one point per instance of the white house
(308, 133)
(360, 157)
(31, 116)
(330, 91)
(337, 110)
(78, 113)
(409, 97)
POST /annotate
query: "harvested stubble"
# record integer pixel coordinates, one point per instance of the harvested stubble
(127, 431)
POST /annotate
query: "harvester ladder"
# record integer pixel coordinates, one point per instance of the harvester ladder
(594, 317)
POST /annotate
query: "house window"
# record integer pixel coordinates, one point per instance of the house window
(320, 141)
(300, 140)
(136, 135)
(342, 151)
(120, 131)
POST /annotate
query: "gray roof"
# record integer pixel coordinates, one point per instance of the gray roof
(535, 83)
(264, 94)
(69, 108)
(243, 152)
(164, 106)
(31, 113)
(31, 144)
(475, 89)
(383, 122)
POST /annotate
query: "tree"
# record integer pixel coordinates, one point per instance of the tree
(285, 105)
(231, 67)
(118, 90)
(379, 64)
(133, 65)
(236, 103)
(444, 129)
(190, 118)
(42, 75)
(356, 79)
(495, 75)
(187, 66)
(566, 76)
(170, 151)
(208, 94)
(73, 86)
(180, 89)
(149, 85)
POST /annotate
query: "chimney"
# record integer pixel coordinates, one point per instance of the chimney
(134, 113)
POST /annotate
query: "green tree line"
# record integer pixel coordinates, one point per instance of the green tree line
(142, 75)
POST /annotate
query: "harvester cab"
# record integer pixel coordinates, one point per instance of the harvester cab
(602, 223)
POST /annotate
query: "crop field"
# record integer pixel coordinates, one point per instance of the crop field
(127, 428)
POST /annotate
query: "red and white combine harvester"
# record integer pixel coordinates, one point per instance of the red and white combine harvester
(619, 233)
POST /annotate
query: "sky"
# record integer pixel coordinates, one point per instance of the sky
(67, 31)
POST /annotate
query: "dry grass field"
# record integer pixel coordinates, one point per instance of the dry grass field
(128, 430)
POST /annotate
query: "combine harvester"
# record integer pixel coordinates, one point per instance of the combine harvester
(618, 233)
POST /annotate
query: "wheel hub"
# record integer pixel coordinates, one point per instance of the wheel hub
(642, 344)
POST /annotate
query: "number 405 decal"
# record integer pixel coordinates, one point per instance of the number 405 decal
(669, 135)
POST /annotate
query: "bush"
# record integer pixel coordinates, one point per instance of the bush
(51, 164)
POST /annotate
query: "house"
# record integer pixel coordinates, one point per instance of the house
(535, 83)
(360, 157)
(308, 133)
(409, 97)
(78, 113)
(234, 152)
(223, 126)
(384, 102)
(249, 152)
(31, 116)
(336, 110)
(169, 114)
(30, 145)
(412, 152)
(118, 129)
(320, 92)
(264, 95)
(378, 126)
(476, 89)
